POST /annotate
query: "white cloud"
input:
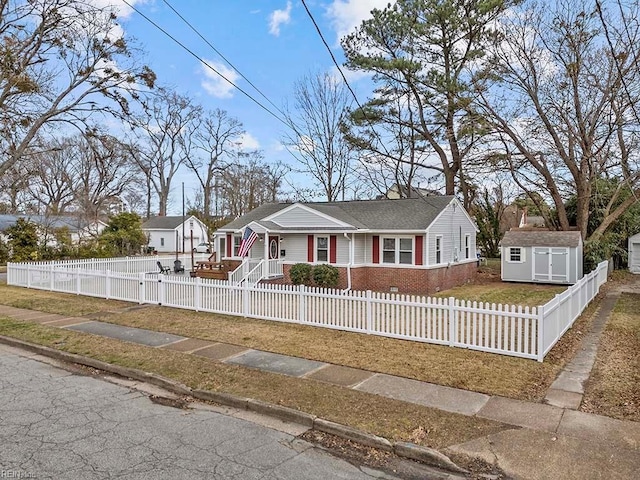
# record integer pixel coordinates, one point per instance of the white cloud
(249, 142)
(346, 15)
(121, 9)
(214, 84)
(279, 17)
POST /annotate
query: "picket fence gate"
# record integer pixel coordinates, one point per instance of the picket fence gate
(504, 329)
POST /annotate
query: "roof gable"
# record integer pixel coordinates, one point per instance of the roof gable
(299, 215)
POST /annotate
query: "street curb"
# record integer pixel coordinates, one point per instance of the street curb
(426, 455)
(352, 434)
(283, 413)
(411, 451)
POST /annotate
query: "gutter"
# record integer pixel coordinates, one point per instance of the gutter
(351, 254)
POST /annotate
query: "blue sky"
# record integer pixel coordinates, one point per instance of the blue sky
(271, 42)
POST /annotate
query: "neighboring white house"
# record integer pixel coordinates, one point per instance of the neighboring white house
(541, 256)
(166, 234)
(79, 229)
(413, 245)
(634, 253)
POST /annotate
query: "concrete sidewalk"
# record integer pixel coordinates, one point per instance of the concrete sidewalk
(547, 441)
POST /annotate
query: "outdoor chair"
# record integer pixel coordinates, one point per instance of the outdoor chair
(162, 268)
(177, 267)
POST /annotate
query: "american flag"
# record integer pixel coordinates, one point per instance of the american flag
(248, 239)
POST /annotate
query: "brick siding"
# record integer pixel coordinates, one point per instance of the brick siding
(415, 281)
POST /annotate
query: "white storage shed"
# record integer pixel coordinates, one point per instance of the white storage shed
(541, 256)
(634, 253)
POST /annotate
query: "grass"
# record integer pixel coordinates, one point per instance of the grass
(389, 418)
(467, 369)
(613, 388)
(505, 293)
(52, 302)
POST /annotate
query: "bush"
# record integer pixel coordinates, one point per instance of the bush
(326, 276)
(300, 274)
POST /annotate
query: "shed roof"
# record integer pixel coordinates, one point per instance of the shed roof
(541, 238)
(384, 214)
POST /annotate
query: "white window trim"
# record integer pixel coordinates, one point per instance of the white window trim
(522, 252)
(234, 250)
(438, 239)
(315, 248)
(467, 246)
(396, 249)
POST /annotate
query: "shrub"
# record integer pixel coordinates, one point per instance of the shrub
(326, 276)
(300, 274)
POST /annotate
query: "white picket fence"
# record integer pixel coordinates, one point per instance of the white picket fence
(505, 329)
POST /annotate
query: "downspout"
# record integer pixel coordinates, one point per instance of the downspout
(351, 254)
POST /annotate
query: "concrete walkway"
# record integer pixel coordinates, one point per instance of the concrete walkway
(545, 422)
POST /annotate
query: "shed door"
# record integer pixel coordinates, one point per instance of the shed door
(560, 265)
(634, 262)
(551, 264)
(541, 264)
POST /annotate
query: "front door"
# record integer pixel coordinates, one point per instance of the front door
(274, 247)
(551, 264)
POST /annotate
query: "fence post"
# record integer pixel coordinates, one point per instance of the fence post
(51, 279)
(541, 333)
(302, 304)
(452, 321)
(196, 294)
(369, 312)
(160, 289)
(141, 289)
(78, 281)
(28, 276)
(245, 299)
(107, 284)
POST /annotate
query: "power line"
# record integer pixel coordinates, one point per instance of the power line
(222, 56)
(344, 78)
(201, 60)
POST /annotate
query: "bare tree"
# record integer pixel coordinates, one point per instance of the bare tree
(103, 172)
(248, 182)
(563, 106)
(164, 134)
(52, 185)
(217, 136)
(63, 62)
(320, 108)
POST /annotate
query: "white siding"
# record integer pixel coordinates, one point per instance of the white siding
(300, 217)
(452, 225)
(295, 247)
(362, 247)
(169, 237)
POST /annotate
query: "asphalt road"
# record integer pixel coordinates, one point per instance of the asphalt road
(56, 424)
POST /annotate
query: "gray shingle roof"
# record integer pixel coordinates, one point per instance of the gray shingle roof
(384, 214)
(164, 223)
(540, 238)
(52, 221)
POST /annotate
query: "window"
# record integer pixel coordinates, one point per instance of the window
(388, 250)
(438, 249)
(515, 255)
(162, 241)
(397, 250)
(322, 249)
(467, 246)
(223, 247)
(237, 240)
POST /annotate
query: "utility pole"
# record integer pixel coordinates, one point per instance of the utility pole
(183, 218)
